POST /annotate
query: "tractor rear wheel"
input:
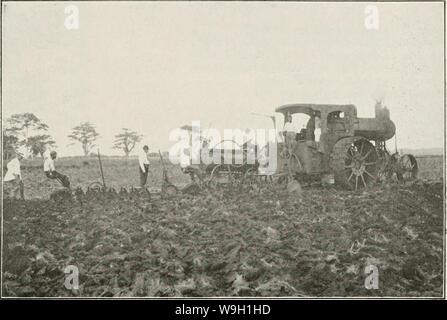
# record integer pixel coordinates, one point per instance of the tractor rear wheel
(355, 163)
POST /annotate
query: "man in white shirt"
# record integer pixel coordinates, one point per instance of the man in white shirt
(289, 132)
(317, 128)
(144, 165)
(288, 126)
(50, 170)
(12, 181)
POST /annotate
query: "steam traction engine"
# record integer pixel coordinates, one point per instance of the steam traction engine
(348, 149)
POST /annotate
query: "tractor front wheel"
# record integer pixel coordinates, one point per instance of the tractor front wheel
(407, 168)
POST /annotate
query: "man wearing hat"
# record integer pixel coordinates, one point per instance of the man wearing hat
(144, 165)
(12, 181)
(50, 170)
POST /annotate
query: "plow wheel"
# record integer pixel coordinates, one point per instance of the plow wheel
(294, 164)
(250, 177)
(169, 190)
(291, 165)
(407, 168)
(95, 186)
(221, 174)
(358, 164)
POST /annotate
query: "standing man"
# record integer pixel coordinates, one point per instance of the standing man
(310, 128)
(144, 165)
(13, 178)
(289, 132)
(51, 173)
(317, 133)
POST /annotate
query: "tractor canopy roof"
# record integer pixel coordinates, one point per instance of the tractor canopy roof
(310, 109)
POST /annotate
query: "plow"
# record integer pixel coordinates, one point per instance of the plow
(201, 181)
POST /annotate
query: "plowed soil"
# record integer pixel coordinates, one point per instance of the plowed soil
(260, 241)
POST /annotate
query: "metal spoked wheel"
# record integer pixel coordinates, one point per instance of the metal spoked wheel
(361, 164)
(169, 190)
(291, 165)
(221, 174)
(95, 186)
(294, 164)
(250, 177)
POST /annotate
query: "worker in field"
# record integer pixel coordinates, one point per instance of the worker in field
(289, 131)
(51, 173)
(317, 132)
(12, 182)
(143, 159)
(310, 128)
(288, 126)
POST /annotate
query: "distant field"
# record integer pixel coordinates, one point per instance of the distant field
(123, 172)
(430, 167)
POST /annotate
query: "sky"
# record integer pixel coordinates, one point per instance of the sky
(155, 66)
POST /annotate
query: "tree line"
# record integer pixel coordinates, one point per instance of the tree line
(27, 131)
